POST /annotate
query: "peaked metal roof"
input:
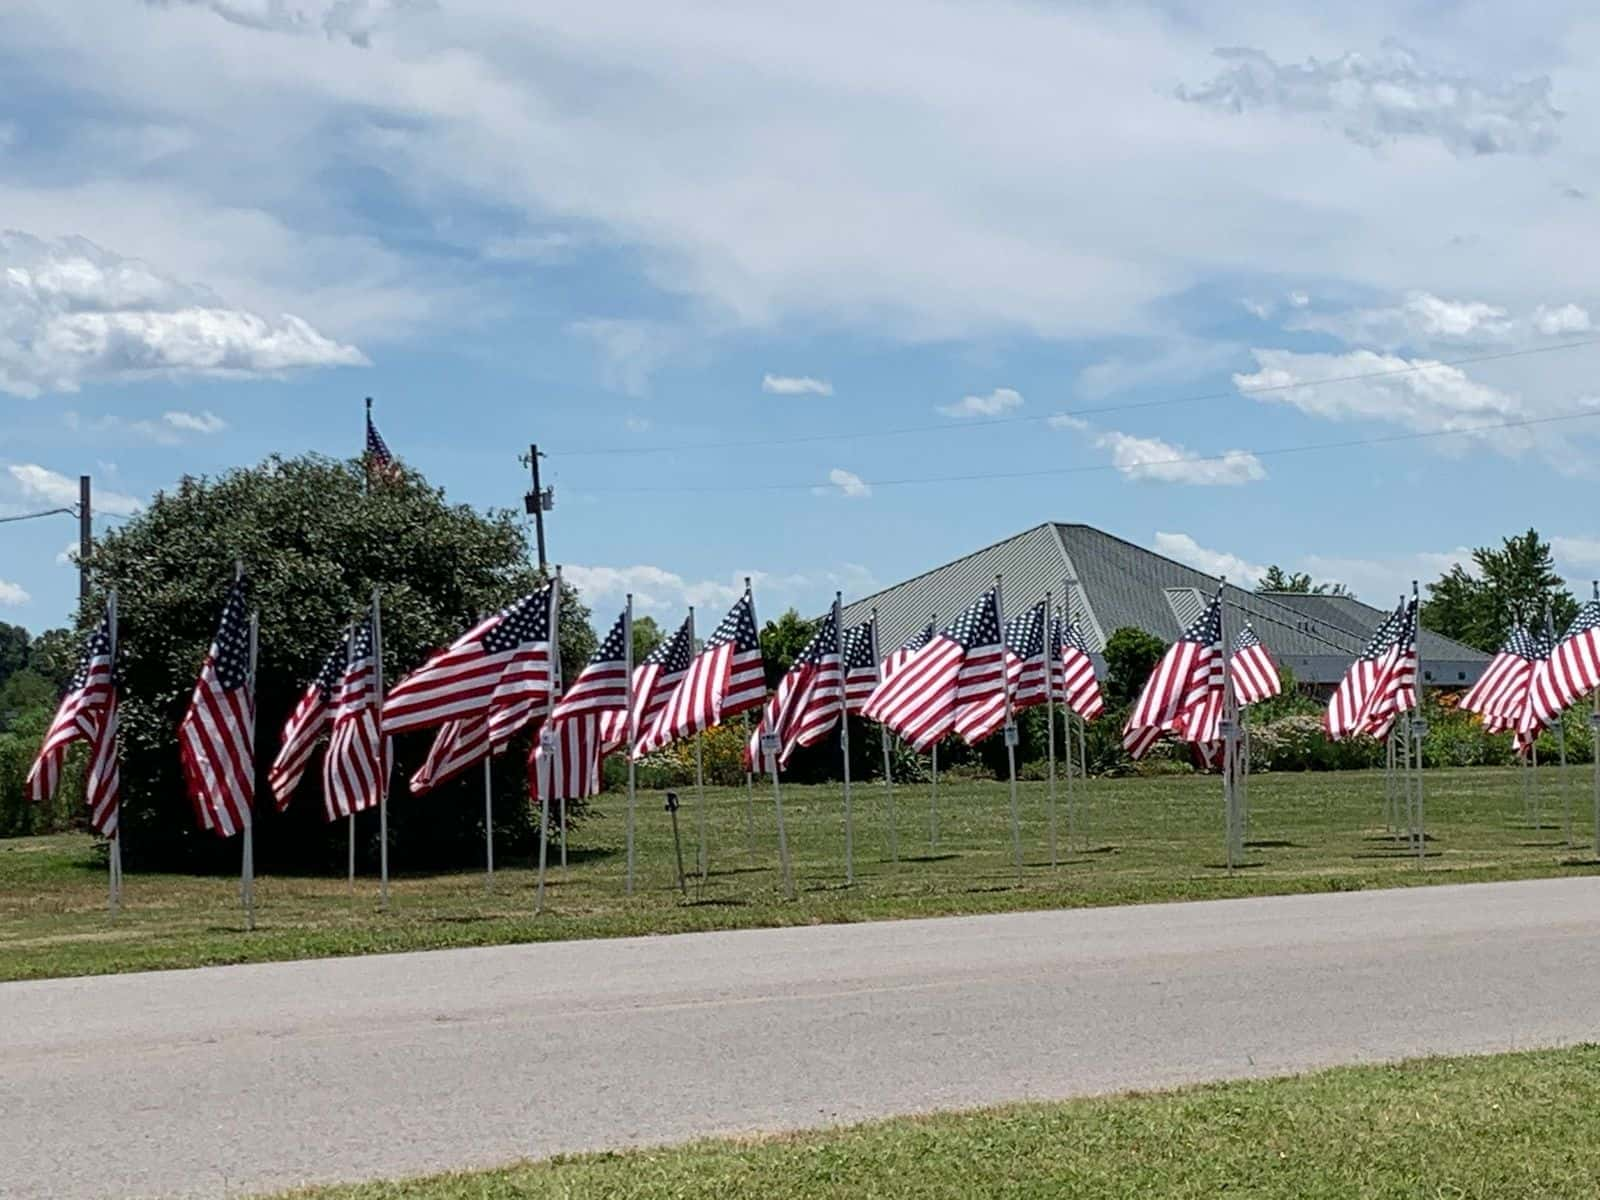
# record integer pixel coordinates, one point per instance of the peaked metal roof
(1114, 583)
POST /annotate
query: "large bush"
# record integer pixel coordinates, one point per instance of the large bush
(315, 542)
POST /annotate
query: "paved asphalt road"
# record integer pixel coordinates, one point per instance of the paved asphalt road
(241, 1079)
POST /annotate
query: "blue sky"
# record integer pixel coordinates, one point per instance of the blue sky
(621, 226)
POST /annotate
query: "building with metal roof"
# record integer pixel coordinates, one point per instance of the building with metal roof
(1110, 583)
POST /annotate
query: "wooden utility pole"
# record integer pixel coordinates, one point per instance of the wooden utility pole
(536, 501)
(85, 535)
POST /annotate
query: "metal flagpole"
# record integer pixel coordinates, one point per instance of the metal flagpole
(769, 751)
(1066, 726)
(699, 776)
(1051, 626)
(749, 791)
(488, 823)
(627, 663)
(547, 742)
(1083, 765)
(247, 881)
(1561, 739)
(1009, 732)
(350, 819)
(1419, 725)
(1229, 729)
(114, 854)
(883, 734)
(844, 744)
(933, 792)
(383, 767)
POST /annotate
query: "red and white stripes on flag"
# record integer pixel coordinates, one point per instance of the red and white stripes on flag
(1177, 697)
(458, 745)
(947, 684)
(725, 678)
(500, 668)
(902, 654)
(87, 713)
(1026, 663)
(1080, 689)
(1395, 687)
(1573, 667)
(305, 727)
(601, 688)
(1351, 703)
(355, 769)
(805, 705)
(217, 736)
(1501, 693)
(654, 681)
(860, 665)
(1255, 675)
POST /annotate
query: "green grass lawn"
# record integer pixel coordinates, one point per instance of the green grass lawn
(1506, 1127)
(1140, 840)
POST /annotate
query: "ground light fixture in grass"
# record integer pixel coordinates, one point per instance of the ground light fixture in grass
(1148, 840)
(1504, 1127)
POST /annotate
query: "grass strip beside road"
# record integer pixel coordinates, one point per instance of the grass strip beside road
(1138, 841)
(1504, 1127)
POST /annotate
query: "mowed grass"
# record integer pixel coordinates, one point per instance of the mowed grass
(1134, 841)
(1496, 1128)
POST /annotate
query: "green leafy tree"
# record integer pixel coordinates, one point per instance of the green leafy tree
(315, 542)
(646, 637)
(1515, 582)
(1278, 580)
(1130, 654)
(782, 641)
(54, 655)
(13, 650)
(22, 693)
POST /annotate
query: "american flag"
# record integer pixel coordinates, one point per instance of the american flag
(860, 665)
(600, 688)
(458, 745)
(1079, 686)
(1177, 697)
(1502, 689)
(1255, 675)
(530, 682)
(87, 713)
(355, 769)
(903, 654)
(806, 705)
(382, 467)
(955, 676)
(1026, 660)
(654, 681)
(1542, 702)
(464, 680)
(306, 724)
(1351, 700)
(1575, 664)
(725, 678)
(217, 737)
(1395, 689)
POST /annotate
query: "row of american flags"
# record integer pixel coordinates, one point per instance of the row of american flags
(503, 674)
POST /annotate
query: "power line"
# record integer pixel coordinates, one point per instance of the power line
(1200, 398)
(49, 512)
(1081, 470)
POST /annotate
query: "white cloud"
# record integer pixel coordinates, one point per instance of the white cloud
(666, 594)
(1213, 562)
(12, 594)
(1298, 299)
(1419, 394)
(72, 312)
(1152, 459)
(1068, 421)
(353, 20)
(201, 422)
(795, 385)
(543, 248)
(67, 556)
(1576, 551)
(1565, 318)
(631, 351)
(845, 483)
(1380, 580)
(1389, 95)
(1178, 361)
(636, 424)
(1423, 319)
(40, 483)
(996, 402)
